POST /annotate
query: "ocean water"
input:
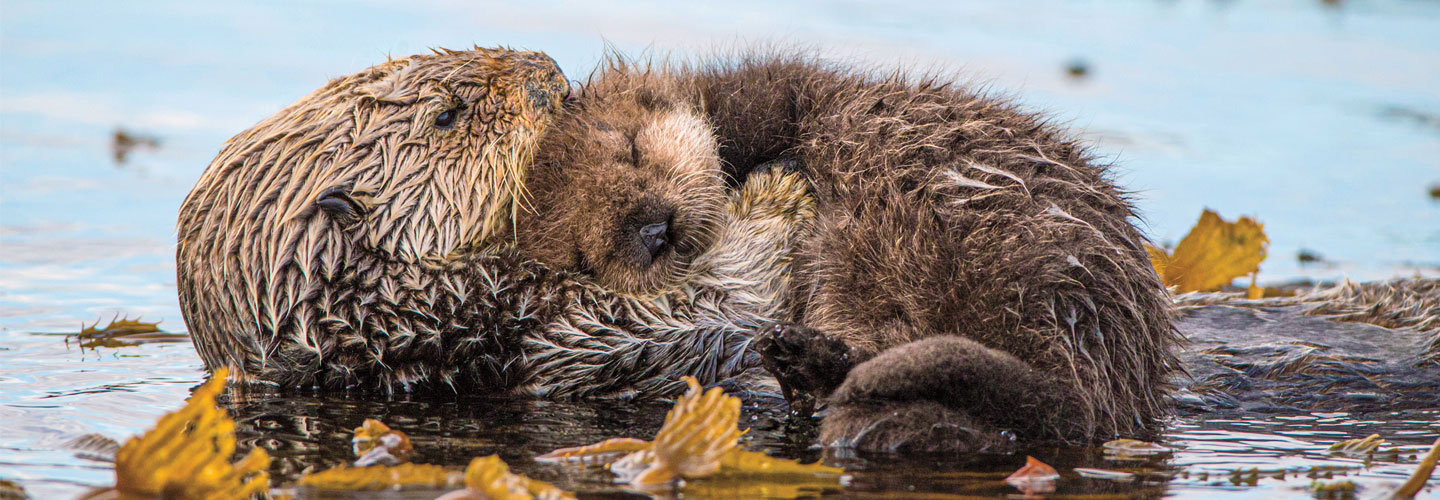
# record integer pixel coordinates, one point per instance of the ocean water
(1321, 119)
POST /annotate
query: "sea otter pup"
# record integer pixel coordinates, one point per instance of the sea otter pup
(362, 238)
(971, 275)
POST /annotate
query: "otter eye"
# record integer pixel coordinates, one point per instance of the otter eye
(446, 118)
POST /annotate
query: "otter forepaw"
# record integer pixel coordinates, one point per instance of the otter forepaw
(808, 364)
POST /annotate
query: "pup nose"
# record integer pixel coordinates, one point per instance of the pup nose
(655, 236)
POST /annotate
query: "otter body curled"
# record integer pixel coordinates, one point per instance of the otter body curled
(970, 275)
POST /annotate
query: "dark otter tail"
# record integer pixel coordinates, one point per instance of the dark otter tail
(947, 393)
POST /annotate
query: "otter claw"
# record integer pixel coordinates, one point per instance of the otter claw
(808, 364)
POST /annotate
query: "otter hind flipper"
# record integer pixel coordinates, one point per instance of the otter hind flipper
(945, 393)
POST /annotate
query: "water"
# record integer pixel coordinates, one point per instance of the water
(1323, 121)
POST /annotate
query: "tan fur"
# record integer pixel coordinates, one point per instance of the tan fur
(623, 155)
(353, 242)
(252, 246)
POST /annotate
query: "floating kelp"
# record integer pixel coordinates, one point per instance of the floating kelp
(1213, 254)
(381, 464)
(1421, 475)
(1109, 475)
(489, 478)
(699, 439)
(1336, 490)
(382, 477)
(123, 142)
(94, 447)
(1357, 447)
(123, 332)
(11, 490)
(187, 455)
(601, 452)
(1034, 478)
(376, 444)
(1131, 448)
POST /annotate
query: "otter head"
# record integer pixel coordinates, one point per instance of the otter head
(411, 159)
(627, 185)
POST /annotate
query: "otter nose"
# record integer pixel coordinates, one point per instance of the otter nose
(655, 236)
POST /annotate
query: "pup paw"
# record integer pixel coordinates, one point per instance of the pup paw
(808, 364)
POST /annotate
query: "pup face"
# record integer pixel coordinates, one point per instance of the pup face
(627, 187)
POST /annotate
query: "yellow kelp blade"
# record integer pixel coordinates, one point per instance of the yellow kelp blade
(382, 477)
(700, 439)
(602, 452)
(188, 453)
(747, 463)
(1213, 254)
(740, 487)
(491, 478)
(698, 432)
(1358, 447)
(376, 444)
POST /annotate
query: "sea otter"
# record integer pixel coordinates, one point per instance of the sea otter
(1047, 356)
(362, 238)
(427, 150)
(971, 276)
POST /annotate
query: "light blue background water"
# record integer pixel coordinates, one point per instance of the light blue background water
(1322, 121)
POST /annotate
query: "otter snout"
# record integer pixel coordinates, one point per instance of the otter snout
(650, 227)
(654, 237)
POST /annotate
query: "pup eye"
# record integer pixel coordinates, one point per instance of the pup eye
(446, 118)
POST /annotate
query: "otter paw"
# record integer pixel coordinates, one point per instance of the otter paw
(808, 364)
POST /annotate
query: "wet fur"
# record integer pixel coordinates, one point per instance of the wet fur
(622, 155)
(348, 243)
(974, 265)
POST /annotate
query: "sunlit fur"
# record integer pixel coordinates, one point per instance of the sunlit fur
(609, 345)
(421, 288)
(624, 147)
(258, 263)
(978, 258)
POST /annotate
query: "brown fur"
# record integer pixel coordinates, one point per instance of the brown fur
(980, 257)
(623, 156)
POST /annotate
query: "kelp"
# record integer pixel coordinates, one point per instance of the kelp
(699, 440)
(382, 456)
(1213, 254)
(382, 477)
(489, 478)
(1034, 478)
(1357, 447)
(122, 332)
(1421, 475)
(1130, 448)
(376, 444)
(188, 455)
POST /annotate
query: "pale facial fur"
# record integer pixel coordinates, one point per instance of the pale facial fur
(627, 188)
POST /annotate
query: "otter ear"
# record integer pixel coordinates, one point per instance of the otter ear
(341, 206)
